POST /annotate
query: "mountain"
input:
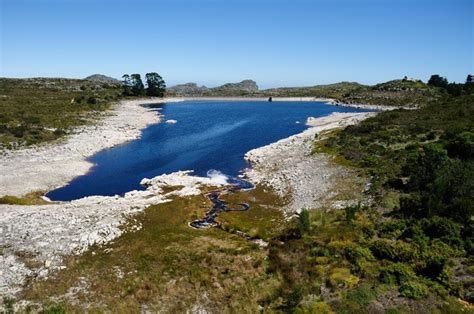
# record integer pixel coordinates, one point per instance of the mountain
(102, 78)
(188, 89)
(243, 88)
(249, 86)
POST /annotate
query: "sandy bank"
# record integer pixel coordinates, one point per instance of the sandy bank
(50, 166)
(289, 168)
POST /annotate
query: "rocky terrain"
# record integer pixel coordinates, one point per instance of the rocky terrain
(187, 89)
(50, 166)
(243, 88)
(292, 171)
(404, 92)
(34, 239)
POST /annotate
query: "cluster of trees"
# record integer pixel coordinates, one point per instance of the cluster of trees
(132, 85)
(455, 89)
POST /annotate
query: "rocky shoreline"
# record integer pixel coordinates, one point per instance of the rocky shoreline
(50, 166)
(34, 239)
(289, 168)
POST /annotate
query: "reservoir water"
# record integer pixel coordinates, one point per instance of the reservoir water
(208, 135)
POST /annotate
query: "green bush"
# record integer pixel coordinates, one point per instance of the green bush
(8, 305)
(413, 290)
(294, 298)
(304, 224)
(397, 251)
(444, 229)
(396, 273)
(363, 295)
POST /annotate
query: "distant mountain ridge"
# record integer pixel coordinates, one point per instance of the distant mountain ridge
(243, 88)
(396, 92)
(102, 78)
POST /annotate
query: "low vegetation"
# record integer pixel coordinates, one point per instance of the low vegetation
(405, 248)
(38, 110)
(415, 240)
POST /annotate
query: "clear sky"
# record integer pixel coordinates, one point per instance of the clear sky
(276, 43)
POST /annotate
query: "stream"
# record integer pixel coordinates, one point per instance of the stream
(220, 206)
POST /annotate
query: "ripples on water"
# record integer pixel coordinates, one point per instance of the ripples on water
(207, 135)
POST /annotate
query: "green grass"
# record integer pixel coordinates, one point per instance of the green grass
(33, 198)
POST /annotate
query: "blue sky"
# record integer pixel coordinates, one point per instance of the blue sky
(276, 43)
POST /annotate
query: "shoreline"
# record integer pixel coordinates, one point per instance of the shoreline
(291, 170)
(52, 165)
(329, 101)
(58, 229)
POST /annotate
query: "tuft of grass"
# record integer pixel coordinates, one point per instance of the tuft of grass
(342, 278)
(33, 198)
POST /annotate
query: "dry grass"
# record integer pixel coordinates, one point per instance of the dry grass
(169, 266)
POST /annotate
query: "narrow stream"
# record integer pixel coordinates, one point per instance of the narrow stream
(220, 206)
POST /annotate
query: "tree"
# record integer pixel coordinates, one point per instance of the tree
(138, 88)
(470, 79)
(438, 81)
(304, 224)
(126, 85)
(469, 85)
(155, 84)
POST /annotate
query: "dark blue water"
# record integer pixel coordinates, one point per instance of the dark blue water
(208, 135)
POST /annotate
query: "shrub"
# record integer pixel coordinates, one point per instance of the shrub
(55, 309)
(294, 298)
(318, 307)
(342, 278)
(355, 253)
(304, 224)
(413, 290)
(363, 295)
(396, 273)
(8, 305)
(321, 260)
(444, 229)
(351, 211)
(392, 229)
(92, 101)
(397, 251)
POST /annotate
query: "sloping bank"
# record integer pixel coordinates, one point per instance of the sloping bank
(289, 167)
(35, 238)
(50, 166)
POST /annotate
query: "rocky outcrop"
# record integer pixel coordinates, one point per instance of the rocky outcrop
(243, 88)
(188, 89)
(248, 86)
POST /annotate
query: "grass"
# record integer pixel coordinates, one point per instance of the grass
(32, 198)
(264, 220)
(169, 266)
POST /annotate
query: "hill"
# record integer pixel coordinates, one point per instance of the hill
(243, 88)
(102, 78)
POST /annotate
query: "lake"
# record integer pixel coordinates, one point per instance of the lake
(208, 135)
